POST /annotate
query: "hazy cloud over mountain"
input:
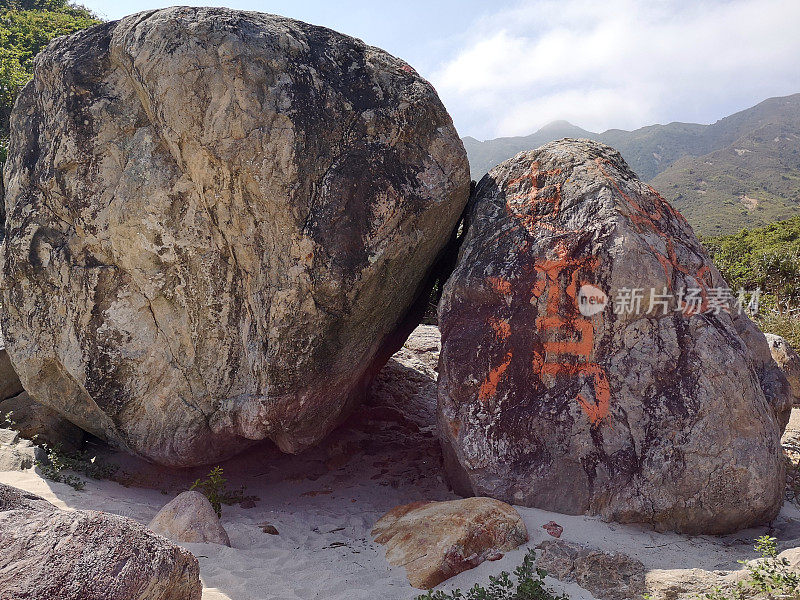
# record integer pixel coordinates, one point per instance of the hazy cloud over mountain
(619, 63)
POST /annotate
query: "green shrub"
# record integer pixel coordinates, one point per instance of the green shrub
(27, 26)
(767, 258)
(769, 577)
(529, 585)
(52, 467)
(785, 325)
(215, 489)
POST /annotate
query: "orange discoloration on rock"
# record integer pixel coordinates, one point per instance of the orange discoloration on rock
(527, 205)
(534, 206)
(501, 327)
(582, 346)
(500, 285)
(650, 222)
(598, 410)
(581, 329)
(489, 386)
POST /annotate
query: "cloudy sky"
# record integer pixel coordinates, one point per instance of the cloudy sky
(510, 67)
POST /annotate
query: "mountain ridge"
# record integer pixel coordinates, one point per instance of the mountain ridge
(758, 184)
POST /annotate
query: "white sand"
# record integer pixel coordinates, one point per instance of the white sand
(324, 549)
(325, 502)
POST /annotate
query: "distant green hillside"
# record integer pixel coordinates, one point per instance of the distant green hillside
(485, 155)
(742, 171)
(648, 150)
(752, 182)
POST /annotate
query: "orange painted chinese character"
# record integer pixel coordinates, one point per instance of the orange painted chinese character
(534, 202)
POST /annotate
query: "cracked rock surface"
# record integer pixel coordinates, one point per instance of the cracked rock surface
(217, 222)
(671, 416)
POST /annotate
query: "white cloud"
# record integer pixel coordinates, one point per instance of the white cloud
(620, 63)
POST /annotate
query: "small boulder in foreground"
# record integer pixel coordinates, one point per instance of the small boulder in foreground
(607, 575)
(435, 541)
(48, 553)
(190, 518)
(789, 362)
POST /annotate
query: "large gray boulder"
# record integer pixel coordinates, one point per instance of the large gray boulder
(47, 553)
(549, 398)
(218, 223)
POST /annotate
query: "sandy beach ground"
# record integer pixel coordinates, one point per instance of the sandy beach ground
(325, 501)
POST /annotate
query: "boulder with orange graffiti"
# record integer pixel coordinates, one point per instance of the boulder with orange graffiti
(593, 359)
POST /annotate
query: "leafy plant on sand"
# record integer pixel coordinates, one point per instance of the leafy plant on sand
(770, 577)
(56, 462)
(214, 487)
(529, 585)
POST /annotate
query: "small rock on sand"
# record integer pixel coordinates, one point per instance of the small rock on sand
(190, 518)
(437, 540)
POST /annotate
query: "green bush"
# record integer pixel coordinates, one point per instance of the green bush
(26, 27)
(56, 462)
(529, 585)
(214, 487)
(767, 258)
(769, 577)
(785, 325)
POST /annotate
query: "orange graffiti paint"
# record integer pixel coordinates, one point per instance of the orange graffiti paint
(533, 201)
(500, 285)
(582, 346)
(489, 386)
(650, 222)
(501, 327)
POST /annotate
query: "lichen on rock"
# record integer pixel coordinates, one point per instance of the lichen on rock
(217, 224)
